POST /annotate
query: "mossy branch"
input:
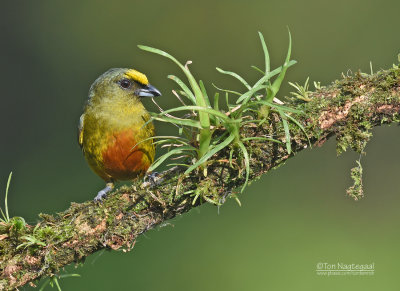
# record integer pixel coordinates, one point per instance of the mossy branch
(347, 109)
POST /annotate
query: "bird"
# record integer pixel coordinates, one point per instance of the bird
(115, 132)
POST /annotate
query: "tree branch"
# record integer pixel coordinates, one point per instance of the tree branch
(347, 109)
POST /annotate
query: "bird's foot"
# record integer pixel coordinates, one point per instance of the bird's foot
(103, 193)
(151, 180)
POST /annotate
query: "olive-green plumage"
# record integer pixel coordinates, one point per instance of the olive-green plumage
(113, 134)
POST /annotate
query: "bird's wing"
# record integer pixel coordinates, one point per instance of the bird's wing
(80, 130)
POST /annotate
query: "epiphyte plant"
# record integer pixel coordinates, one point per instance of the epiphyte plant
(206, 129)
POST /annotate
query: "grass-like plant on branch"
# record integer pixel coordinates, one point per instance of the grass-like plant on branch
(207, 128)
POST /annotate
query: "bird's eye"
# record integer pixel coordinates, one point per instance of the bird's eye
(125, 83)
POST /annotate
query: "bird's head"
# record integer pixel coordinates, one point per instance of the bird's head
(121, 83)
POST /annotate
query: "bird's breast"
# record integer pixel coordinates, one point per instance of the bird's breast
(117, 140)
(126, 155)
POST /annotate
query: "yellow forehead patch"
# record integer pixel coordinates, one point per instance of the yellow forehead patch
(137, 76)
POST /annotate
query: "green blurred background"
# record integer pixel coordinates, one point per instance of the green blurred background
(290, 220)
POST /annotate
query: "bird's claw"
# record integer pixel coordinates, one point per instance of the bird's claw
(100, 196)
(153, 177)
(103, 193)
(152, 180)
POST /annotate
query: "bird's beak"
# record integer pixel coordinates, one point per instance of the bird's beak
(148, 91)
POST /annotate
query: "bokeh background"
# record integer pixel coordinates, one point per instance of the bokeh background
(290, 220)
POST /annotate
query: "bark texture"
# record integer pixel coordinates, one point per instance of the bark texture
(347, 109)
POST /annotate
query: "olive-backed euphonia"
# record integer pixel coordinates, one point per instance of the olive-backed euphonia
(113, 134)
